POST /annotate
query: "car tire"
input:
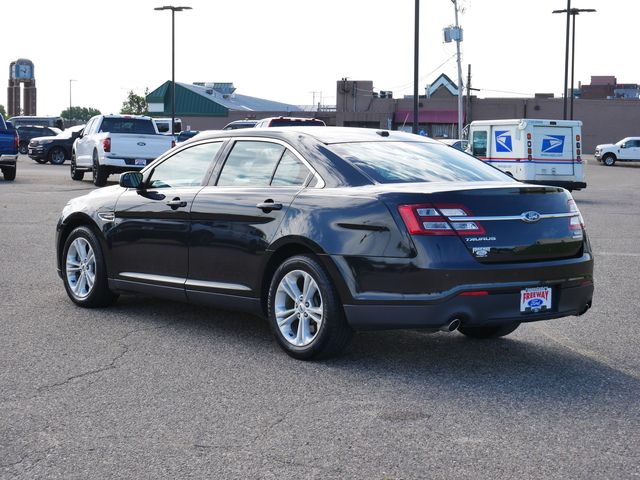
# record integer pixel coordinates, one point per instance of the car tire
(75, 173)
(304, 310)
(23, 148)
(9, 174)
(488, 332)
(609, 160)
(84, 271)
(57, 156)
(100, 173)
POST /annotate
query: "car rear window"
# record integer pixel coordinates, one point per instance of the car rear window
(405, 162)
(128, 125)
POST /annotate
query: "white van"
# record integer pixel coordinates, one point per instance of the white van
(546, 152)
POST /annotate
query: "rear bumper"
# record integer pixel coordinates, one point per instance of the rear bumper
(498, 308)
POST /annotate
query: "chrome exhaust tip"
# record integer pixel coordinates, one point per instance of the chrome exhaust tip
(452, 326)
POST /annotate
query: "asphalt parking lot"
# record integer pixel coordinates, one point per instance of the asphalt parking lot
(151, 389)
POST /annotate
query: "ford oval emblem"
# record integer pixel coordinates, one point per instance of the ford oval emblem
(142, 144)
(530, 217)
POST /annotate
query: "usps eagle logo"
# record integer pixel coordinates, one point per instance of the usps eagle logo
(503, 141)
(553, 144)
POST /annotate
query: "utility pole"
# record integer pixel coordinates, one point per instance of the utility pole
(458, 40)
(468, 107)
(415, 66)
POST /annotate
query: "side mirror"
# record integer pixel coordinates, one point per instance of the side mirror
(131, 180)
(624, 145)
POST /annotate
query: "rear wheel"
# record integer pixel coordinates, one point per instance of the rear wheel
(84, 270)
(609, 160)
(305, 312)
(489, 332)
(100, 173)
(9, 174)
(57, 156)
(75, 173)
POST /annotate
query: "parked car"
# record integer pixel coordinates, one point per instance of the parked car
(236, 124)
(327, 230)
(27, 132)
(164, 125)
(289, 122)
(54, 149)
(455, 143)
(186, 135)
(9, 142)
(21, 120)
(626, 150)
(114, 144)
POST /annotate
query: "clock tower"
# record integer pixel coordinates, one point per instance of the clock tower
(21, 73)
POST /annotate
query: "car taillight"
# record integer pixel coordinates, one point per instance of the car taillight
(106, 144)
(427, 219)
(575, 222)
(16, 141)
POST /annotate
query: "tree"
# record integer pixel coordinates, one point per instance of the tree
(80, 114)
(3, 112)
(135, 104)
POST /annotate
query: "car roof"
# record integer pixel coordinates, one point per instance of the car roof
(326, 135)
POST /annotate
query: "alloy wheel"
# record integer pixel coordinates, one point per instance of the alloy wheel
(298, 308)
(81, 267)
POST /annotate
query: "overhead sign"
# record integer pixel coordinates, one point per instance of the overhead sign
(503, 141)
(552, 144)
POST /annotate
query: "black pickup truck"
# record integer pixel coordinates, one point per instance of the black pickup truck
(9, 142)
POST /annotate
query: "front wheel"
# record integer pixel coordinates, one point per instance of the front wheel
(84, 270)
(23, 148)
(304, 309)
(57, 156)
(609, 160)
(489, 332)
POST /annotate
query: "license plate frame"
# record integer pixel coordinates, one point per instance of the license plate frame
(536, 300)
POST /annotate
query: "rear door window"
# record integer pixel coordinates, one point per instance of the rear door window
(250, 164)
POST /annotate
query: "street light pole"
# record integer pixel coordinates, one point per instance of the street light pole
(566, 60)
(70, 80)
(571, 12)
(173, 59)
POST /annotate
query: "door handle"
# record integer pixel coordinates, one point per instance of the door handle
(176, 203)
(269, 205)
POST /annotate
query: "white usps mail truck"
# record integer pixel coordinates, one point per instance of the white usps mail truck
(545, 152)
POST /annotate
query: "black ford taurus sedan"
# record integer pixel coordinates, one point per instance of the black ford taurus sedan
(326, 231)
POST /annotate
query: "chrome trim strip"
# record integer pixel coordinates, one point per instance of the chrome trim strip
(184, 282)
(154, 278)
(219, 285)
(513, 217)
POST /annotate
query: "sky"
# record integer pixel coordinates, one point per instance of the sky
(294, 51)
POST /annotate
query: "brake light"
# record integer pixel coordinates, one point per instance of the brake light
(427, 219)
(16, 140)
(106, 144)
(475, 293)
(576, 222)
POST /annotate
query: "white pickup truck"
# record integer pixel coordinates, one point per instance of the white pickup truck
(626, 150)
(115, 144)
